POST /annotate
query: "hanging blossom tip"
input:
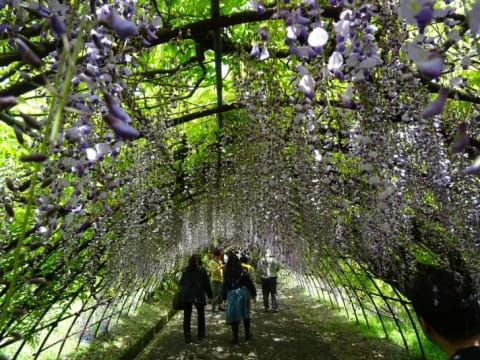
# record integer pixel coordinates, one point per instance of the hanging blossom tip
(123, 28)
(429, 63)
(437, 105)
(28, 55)
(121, 128)
(474, 18)
(57, 26)
(461, 141)
(424, 17)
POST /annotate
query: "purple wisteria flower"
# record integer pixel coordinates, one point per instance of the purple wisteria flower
(27, 54)
(429, 63)
(255, 52)
(474, 18)
(307, 86)
(264, 55)
(461, 141)
(97, 152)
(120, 127)
(123, 28)
(57, 25)
(437, 105)
(335, 61)
(346, 97)
(256, 6)
(417, 12)
(116, 110)
(370, 62)
(424, 17)
(263, 31)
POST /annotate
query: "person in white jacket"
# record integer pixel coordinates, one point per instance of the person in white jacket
(269, 267)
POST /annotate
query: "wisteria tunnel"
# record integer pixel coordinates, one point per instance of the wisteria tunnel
(340, 134)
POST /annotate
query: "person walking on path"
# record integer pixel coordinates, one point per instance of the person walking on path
(238, 288)
(269, 267)
(216, 279)
(447, 307)
(195, 284)
(245, 261)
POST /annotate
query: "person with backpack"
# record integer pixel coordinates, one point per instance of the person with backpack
(238, 288)
(195, 287)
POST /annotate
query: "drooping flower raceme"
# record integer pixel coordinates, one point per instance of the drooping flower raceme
(474, 18)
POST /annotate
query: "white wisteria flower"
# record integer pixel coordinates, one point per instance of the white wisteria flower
(342, 28)
(370, 62)
(264, 55)
(318, 37)
(291, 32)
(335, 61)
(474, 169)
(307, 85)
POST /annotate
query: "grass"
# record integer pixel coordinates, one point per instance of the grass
(347, 338)
(129, 333)
(123, 336)
(335, 324)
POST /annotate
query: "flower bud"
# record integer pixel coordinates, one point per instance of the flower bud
(121, 128)
(57, 26)
(27, 55)
(123, 28)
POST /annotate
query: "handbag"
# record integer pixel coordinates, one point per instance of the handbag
(176, 304)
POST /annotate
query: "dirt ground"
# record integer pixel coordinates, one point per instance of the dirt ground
(302, 329)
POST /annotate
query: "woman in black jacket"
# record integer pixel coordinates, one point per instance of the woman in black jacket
(195, 285)
(238, 288)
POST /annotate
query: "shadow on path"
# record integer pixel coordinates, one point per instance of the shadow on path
(276, 336)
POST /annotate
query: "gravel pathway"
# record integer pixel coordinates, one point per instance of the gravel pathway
(285, 335)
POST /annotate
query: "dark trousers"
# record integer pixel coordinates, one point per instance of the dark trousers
(236, 328)
(269, 289)
(187, 320)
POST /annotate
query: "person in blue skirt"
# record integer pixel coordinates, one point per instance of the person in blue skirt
(238, 289)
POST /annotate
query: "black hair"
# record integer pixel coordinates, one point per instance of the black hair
(194, 263)
(447, 301)
(233, 267)
(217, 252)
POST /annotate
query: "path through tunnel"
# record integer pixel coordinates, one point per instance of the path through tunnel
(319, 318)
(301, 329)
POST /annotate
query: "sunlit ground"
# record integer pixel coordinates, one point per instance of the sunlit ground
(282, 335)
